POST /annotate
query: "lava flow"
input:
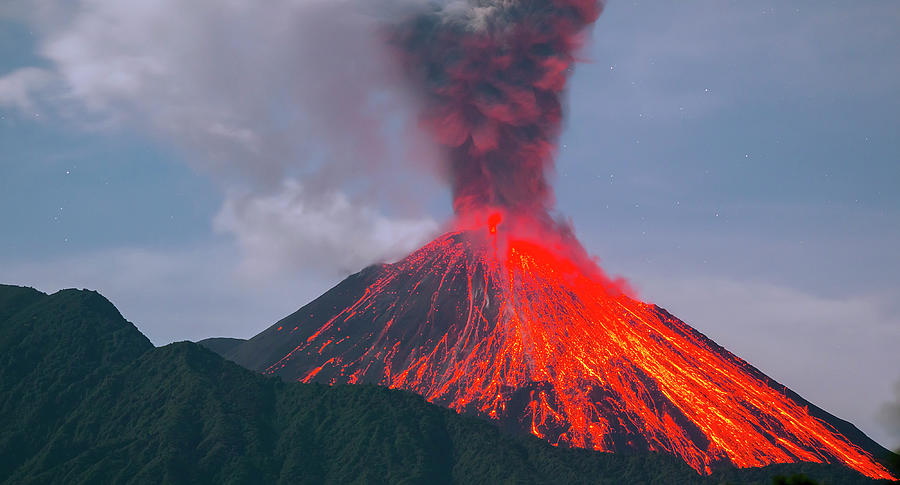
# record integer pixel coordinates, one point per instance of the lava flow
(516, 332)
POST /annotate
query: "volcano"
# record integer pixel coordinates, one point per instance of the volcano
(518, 332)
(505, 317)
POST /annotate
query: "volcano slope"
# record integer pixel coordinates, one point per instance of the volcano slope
(518, 334)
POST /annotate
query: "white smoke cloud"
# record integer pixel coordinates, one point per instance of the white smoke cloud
(19, 88)
(332, 231)
(254, 94)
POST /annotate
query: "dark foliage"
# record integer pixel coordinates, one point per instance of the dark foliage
(85, 398)
(222, 345)
(799, 479)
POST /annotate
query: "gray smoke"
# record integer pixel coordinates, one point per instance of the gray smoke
(291, 105)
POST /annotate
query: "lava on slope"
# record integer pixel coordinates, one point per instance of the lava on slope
(515, 332)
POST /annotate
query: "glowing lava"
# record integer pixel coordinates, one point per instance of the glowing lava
(515, 331)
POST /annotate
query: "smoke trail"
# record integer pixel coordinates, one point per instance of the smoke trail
(492, 75)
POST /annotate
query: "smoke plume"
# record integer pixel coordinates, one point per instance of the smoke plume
(492, 75)
(294, 108)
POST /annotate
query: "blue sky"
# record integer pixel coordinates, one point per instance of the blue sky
(210, 169)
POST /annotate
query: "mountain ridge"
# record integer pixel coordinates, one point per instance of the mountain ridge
(181, 413)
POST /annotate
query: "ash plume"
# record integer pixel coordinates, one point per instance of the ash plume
(492, 75)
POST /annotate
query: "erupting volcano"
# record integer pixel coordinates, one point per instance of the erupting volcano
(514, 331)
(506, 317)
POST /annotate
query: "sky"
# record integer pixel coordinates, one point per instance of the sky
(210, 167)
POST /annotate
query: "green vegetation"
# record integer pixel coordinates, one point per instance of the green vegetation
(799, 479)
(85, 398)
(221, 345)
